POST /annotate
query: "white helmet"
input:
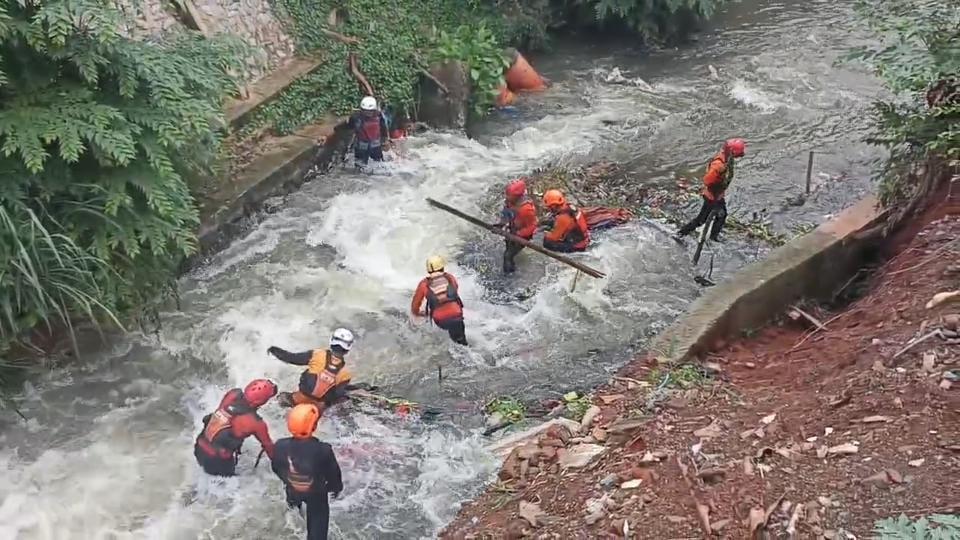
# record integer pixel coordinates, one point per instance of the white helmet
(343, 338)
(368, 103)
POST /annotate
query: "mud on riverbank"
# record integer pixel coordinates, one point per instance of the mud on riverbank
(790, 429)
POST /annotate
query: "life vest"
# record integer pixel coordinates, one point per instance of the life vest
(580, 236)
(217, 436)
(368, 130)
(727, 171)
(510, 214)
(325, 366)
(440, 291)
(299, 482)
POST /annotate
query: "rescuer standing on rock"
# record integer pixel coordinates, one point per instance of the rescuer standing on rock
(218, 444)
(370, 129)
(519, 216)
(326, 379)
(569, 231)
(440, 292)
(715, 183)
(308, 469)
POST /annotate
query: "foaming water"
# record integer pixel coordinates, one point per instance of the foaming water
(107, 452)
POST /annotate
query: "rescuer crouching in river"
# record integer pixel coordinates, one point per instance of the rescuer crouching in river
(218, 444)
(439, 290)
(568, 231)
(308, 469)
(326, 379)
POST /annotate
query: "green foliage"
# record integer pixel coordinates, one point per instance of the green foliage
(96, 132)
(508, 408)
(477, 47)
(655, 21)
(936, 527)
(577, 405)
(397, 38)
(918, 59)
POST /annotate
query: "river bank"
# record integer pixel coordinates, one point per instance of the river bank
(793, 430)
(349, 249)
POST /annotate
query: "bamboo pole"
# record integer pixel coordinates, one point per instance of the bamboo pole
(514, 238)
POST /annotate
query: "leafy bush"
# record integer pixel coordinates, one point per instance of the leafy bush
(937, 527)
(919, 60)
(97, 131)
(396, 39)
(655, 21)
(478, 48)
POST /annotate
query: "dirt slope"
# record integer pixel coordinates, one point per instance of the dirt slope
(827, 430)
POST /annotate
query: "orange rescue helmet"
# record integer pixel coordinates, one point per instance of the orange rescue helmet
(259, 391)
(737, 147)
(554, 198)
(517, 188)
(302, 420)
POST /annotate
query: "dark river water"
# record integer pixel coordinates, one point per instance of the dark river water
(107, 452)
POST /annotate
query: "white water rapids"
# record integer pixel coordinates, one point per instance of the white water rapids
(107, 450)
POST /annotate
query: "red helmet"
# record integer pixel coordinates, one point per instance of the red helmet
(517, 188)
(259, 391)
(737, 147)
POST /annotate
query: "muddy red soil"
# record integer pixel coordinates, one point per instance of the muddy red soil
(800, 432)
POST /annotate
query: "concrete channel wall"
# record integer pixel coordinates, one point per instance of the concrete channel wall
(812, 266)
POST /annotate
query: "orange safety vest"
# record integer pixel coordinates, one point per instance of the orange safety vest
(218, 433)
(439, 292)
(580, 236)
(327, 368)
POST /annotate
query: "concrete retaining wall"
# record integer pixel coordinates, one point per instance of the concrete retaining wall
(812, 266)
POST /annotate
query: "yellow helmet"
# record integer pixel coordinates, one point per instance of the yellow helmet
(435, 264)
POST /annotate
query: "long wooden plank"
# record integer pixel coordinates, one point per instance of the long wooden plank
(514, 238)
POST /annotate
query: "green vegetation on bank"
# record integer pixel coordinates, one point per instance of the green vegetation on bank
(919, 60)
(97, 134)
(396, 40)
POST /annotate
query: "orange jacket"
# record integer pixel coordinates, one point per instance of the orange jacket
(522, 218)
(442, 307)
(233, 422)
(718, 176)
(570, 225)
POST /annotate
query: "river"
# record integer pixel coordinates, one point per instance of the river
(107, 450)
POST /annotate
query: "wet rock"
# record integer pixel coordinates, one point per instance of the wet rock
(646, 474)
(511, 466)
(445, 107)
(610, 481)
(494, 420)
(588, 417)
(579, 456)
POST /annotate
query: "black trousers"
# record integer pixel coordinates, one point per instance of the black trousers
(216, 466)
(456, 329)
(510, 251)
(708, 206)
(561, 247)
(318, 515)
(362, 153)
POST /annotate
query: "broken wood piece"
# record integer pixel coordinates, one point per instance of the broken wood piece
(816, 322)
(943, 298)
(355, 70)
(340, 37)
(918, 341)
(794, 518)
(443, 88)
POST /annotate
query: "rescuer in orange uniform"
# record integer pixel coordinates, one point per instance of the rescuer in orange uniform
(439, 290)
(715, 183)
(308, 469)
(569, 231)
(519, 216)
(326, 379)
(235, 419)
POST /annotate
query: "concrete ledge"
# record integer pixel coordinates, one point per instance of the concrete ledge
(278, 171)
(266, 89)
(812, 266)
